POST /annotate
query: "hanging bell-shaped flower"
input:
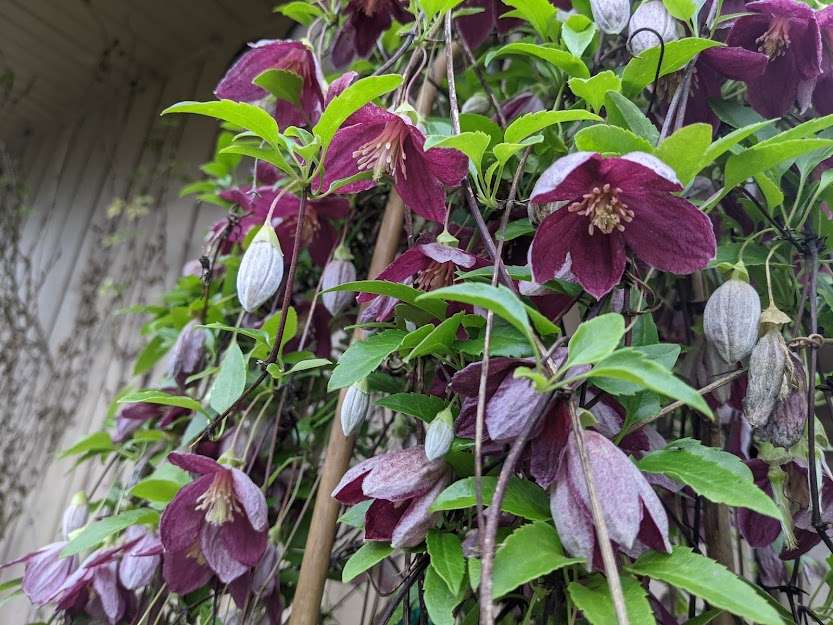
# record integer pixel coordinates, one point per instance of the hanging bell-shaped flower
(75, 515)
(355, 407)
(261, 269)
(439, 435)
(611, 16)
(651, 16)
(338, 271)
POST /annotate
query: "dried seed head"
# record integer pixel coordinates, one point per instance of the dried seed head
(611, 16)
(261, 269)
(730, 321)
(75, 515)
(786, 425)
(440, 435)
(336, 273)
(653, 15)
(766, 373)
(354, 408)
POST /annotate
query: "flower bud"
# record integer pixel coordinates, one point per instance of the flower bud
(338, 271)
(766, 373)
(75, 515)
(354, 408)
(730, 321)
(653, 15)
(440, 435)
(187, 353)
(611, 16)
(261, 269)
(786, 425)
(478, 103)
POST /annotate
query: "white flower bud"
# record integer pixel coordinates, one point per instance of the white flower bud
(75, 515)
(611, 16)
(440, 435)
(477, 103)
(653, 15)
(338, 271)
(354, 408)
(730, 320)
(261, 269)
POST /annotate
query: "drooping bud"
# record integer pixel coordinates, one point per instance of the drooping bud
(439, 435)
(338, 271)
(611, 16)
(354, 408)
(653, 15)
(786, 425)
(477, 103)
(75, 515)
(261, 269)
(730, 321)
(187, 353)
(766, 373)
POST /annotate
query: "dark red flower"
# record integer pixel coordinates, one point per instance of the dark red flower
(607, 205)
(366, 21)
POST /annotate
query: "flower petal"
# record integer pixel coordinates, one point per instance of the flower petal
(180, 525)
(45, 573)
(105, 582)
(340, 162)
(380, 519)
(242, 540)
(194, 463)
(573, 522)
(598, 261)
(217, 555)
(406, 265)
(417, 519)
(567, 178)
(402, 474)
(251, 498)
(551, 244)
(475, 28)
(545, 449)
(182, 573)
(735, 62)
(419, 188)
(349, 489)
(444, 254)
(511, 407)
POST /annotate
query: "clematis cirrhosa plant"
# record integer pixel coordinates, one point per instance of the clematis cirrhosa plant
(608, 205)
(366, 21)
(631, 509)
(403, 485)
(217, 523)
(385, 143)
(787, 32)
(290, 56)
(45, 572)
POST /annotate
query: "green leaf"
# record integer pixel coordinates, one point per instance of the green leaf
(715, 474)
(368, 555)
(354, 517)
(282, 84)
(724, 144)
(447, 559)
(593, 90)
(423, 407)
(472, 144)
(248, 116)
(709, 580)
(592, 597)
(439, 340)
(431, 8)
(95, 533)
(439, 600)
(705, 618)
(150, 489)
(529, 124)
(610, 140)
(806, 129)
(578, 33)
(684, 150)
(252, 150)
(640, 71)
(300, 11)
(664, 354)
(402, 292)
(230, 381)
(515, 229)
(539, 13)
(362, 357)
(499, 300)
(504, 151)
(522, 498)
(595, 339)
(622, 112)
(150, 355)
(758, 159)
(681, 9)
(530, 552)
(309, 363)
(97, 441)
(632, 366)
(160, 397)
(349, 101)
(558, 58)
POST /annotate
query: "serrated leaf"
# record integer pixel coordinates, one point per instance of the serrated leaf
(362, 357)
(268, 155)
(595, 339)
(610, 140)
(715, 474)
(539, 13)
(302, 12)
(368, 555)
(529, 124)
(530, 552)
(423, 407)
(447, 559)
(709, 580)
(95, 533)
(558, 58)
(681, 9)
(592, 597)
(724, 144)
(230, 381)
(593, 90)
(522, 498)
(248, 116)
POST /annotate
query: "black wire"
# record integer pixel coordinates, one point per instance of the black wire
(659, 63)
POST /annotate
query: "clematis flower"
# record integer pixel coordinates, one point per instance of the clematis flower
(366, 21)
(823, 91)
(45, 572)
(140, 561)
(632, 511)
(477, 27)
(608, 205)
(318, 234)
(403, 485)
(216, 523)
(787, 32)
(186, 356)
(132, 416)
(426, 267)
(289, 56)
(376, 140)
(263, 581)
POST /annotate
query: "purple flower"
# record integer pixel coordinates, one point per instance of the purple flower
(290, 56)
(403, 485)
(141, 560)
(263, 581)
(633, 513)
(186, 356)
(374, 139)
(426, 267)
(477, 27)
(787, 32)
(608, 204)
(366, 21)
(216, 523)
(823, 91)
(45, 572)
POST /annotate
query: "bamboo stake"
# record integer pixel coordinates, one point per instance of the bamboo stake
(306, 606)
